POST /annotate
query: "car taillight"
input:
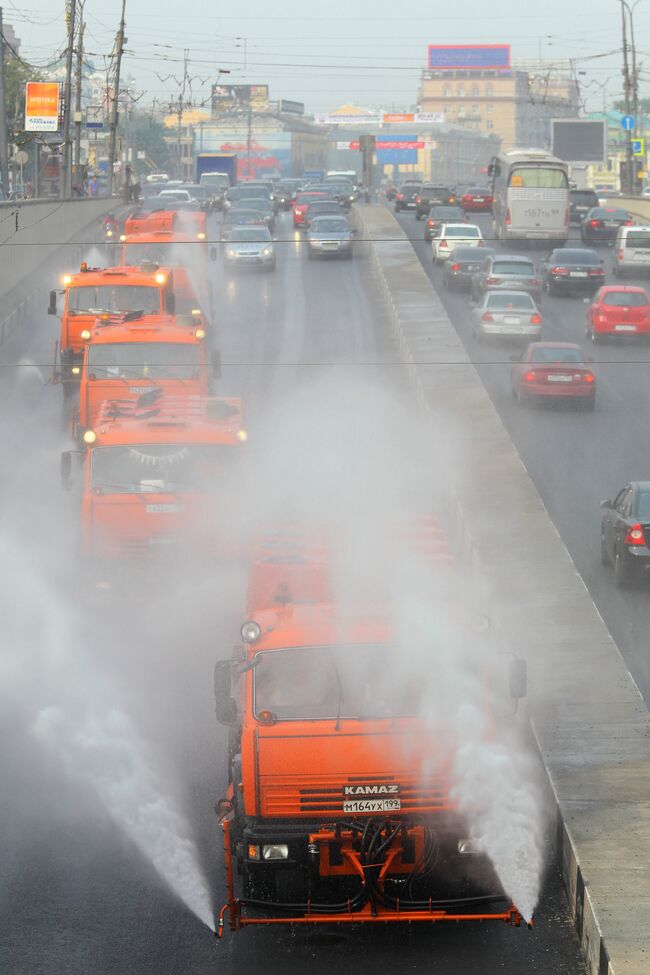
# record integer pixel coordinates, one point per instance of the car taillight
(481, 243)
(628, 223)
(400, 196)
(596, 272)
(530, 377)
(467, 199)
(492, 280)
(431, 223)
(508, 217)
(536, 319)
(443, 243)
(621, 254)
(418, 199)
(635, 535)
(455, 267)
(601, 318)
(452, 200)
(595, 223)
(559, 270)
(587, 377)
(487, 317)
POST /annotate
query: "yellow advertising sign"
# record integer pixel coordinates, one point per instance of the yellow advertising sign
(41, 106)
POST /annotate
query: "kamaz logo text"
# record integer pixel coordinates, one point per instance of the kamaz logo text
(371, 790)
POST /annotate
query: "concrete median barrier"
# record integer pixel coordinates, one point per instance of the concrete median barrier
(589, 719)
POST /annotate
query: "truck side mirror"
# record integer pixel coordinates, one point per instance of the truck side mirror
(213, 253)
(51, 308)
(518, 678)
(225, 706)
(171, 303)
(66, 469)
(215, 358)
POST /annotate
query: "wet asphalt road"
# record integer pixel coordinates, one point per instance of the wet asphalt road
(75, 896)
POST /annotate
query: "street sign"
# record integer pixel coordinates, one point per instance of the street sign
(628, 122)
(638, 147)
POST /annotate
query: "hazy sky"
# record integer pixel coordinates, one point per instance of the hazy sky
(330, 53)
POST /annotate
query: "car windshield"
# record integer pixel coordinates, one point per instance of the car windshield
(174, 195)
(506, 300)
(625, 299)
(198, 192)
(564, 257)
(639, 239)
(556, 354)
(329, 226)
(604, 213)
(259, 203)
(477, 191)
(467, 231)
(539, 177)
(148, 468)
(311, 197)
(167, 253)
(143, 360)
(250, 234)
(241, 215)
(95, 299)
(513, 267)
(316, 683)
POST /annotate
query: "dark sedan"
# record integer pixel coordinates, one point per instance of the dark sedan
(506, 272)
(572, 269)
(625, 532)
(580, 203)
(432, 195)
(461, 268)
(323, 208)
(439, 215)
(405, 196)
(602, 223)
(240, 217)
(286, 191)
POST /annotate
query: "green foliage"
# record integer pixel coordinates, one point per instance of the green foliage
(644, 105)
(17, 74)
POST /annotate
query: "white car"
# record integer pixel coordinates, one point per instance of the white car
(449, 236)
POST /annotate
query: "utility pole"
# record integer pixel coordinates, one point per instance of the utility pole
(627, 87)
(179, 115)
(249, 138)
(79, 73)
(4, 147)
(66, 176)
(119, 45)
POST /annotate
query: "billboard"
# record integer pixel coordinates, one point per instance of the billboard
(231, 98)
(579, 140)
(469, 57)
(292, 108)
(42, 106)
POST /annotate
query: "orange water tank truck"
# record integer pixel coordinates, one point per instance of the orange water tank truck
(339, 807)
(91, 291)
(155, 471)
(129, 355)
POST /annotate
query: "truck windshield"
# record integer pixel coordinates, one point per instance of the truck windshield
(143, 360)
(317, 683)
(172, 468)
(95, 299)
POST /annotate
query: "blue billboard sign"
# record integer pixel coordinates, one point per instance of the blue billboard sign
(397, 151)
(469, 56)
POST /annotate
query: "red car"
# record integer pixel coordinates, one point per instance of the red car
(301, 203)
(618, 310)
(553, 370)
(477, 199)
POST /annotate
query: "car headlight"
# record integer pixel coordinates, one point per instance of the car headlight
(275, 851)
(267, 252)
(231, 252)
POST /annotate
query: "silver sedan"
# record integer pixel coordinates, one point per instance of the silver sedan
(511, 314)
(329, 236)
(250, 247)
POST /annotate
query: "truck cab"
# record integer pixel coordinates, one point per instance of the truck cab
(126, 357)
(156, 473)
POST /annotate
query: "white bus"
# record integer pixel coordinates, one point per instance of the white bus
(530, 190)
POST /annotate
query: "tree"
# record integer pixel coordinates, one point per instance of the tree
(17, 73)
(644, 105)
(145, 134)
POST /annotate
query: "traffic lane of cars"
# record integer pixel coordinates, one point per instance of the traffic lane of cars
(575, 459)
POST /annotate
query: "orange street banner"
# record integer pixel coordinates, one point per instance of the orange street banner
(41, 106)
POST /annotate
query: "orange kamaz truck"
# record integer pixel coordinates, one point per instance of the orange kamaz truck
(126, 356)
(340, 806)
(92, 291)
(155, 472)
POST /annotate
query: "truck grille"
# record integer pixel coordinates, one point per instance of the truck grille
(324, 795)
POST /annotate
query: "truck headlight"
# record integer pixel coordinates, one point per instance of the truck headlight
(275, 851)
(85, 334)
(250, 631)
(90, 436)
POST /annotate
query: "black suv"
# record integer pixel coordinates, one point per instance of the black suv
(580, 202)
(432, 196)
